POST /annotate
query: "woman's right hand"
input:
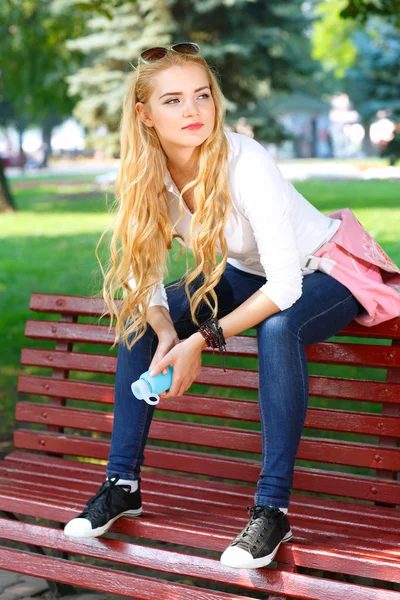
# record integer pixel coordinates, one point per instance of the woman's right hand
(165, 344)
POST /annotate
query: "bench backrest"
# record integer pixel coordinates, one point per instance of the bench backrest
(350, 444)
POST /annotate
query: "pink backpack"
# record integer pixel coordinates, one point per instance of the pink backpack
(354, 258)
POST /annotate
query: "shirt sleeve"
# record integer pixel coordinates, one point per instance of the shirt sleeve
(264, 200)
(159, 298)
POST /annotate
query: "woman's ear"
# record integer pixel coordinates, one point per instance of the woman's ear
(143, 114)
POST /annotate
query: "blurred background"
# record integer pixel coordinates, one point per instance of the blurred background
(310, 79)
(315, 81)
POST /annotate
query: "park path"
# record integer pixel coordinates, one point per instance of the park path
(294, 170)
(14, 586)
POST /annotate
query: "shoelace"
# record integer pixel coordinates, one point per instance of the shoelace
(105, 492)
(254, 525)
(256, 510)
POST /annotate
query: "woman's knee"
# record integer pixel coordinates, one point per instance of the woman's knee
(278, 326)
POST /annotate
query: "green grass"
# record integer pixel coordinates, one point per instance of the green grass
(48, 246)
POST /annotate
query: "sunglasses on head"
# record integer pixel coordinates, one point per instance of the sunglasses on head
(153, 54)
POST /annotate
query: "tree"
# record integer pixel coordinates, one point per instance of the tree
(332, 38)
(258, 47)
(373, 82)
(34, 62)
(7, 203)
(361, 10)
(365, 58)
(102, 7)
(110, 48)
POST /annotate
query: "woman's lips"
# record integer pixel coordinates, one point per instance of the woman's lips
(194, 126)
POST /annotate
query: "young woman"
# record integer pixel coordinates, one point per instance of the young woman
(183, 175)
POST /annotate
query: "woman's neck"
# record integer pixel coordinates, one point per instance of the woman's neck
(182, 176)
(183, 164)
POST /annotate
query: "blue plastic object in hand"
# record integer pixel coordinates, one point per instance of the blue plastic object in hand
(148, 386)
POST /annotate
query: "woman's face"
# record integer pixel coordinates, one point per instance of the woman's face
(181, 96)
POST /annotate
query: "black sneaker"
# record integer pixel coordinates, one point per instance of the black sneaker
(100, 512)
(257, 544)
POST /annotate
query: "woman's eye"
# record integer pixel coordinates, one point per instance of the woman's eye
(170, 101)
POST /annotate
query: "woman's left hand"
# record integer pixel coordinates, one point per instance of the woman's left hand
(185, 359)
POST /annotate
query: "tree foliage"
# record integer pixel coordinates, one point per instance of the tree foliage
(34, 58)
(361, 10)
(332, 37)
(110, 48)
(102, 7)
(34, 61)
(365, 54)
(258, 48)
(366, 57)
(373, 82)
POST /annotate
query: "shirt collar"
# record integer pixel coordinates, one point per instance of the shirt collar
(169, 183)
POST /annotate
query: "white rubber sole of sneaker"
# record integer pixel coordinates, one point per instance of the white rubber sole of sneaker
(254, 563)
(100, 530)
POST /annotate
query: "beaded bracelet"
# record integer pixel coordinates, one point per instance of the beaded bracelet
(213, 334)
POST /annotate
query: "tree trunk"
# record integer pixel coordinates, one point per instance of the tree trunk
(366, 144)
(47, 130)
(314, 136)
(7, 203)
(21, 126)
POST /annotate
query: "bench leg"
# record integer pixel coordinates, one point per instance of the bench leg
(57, 589)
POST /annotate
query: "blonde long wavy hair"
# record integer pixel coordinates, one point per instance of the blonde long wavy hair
(142, 228)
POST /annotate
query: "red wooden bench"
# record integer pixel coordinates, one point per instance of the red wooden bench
(345, 522)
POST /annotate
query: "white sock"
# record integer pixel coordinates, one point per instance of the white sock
(131, 482)
(284, 510)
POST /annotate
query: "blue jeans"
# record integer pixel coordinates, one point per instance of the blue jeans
(325, 307)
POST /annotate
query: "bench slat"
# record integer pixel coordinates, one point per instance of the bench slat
(216, 437)
(331, 555)
(388, 329)
(67, 304)
(190, 566)
(66, 468)
(206, 516)
(73, 361)
(316, 418)
(357, 355)
(208, 507)
(365, 355)
(182, 460)
(101, 579)
(88, 333)
(323, 387)
(221, 500)
(91, 306)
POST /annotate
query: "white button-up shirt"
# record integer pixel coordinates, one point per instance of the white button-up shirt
(270, 227)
